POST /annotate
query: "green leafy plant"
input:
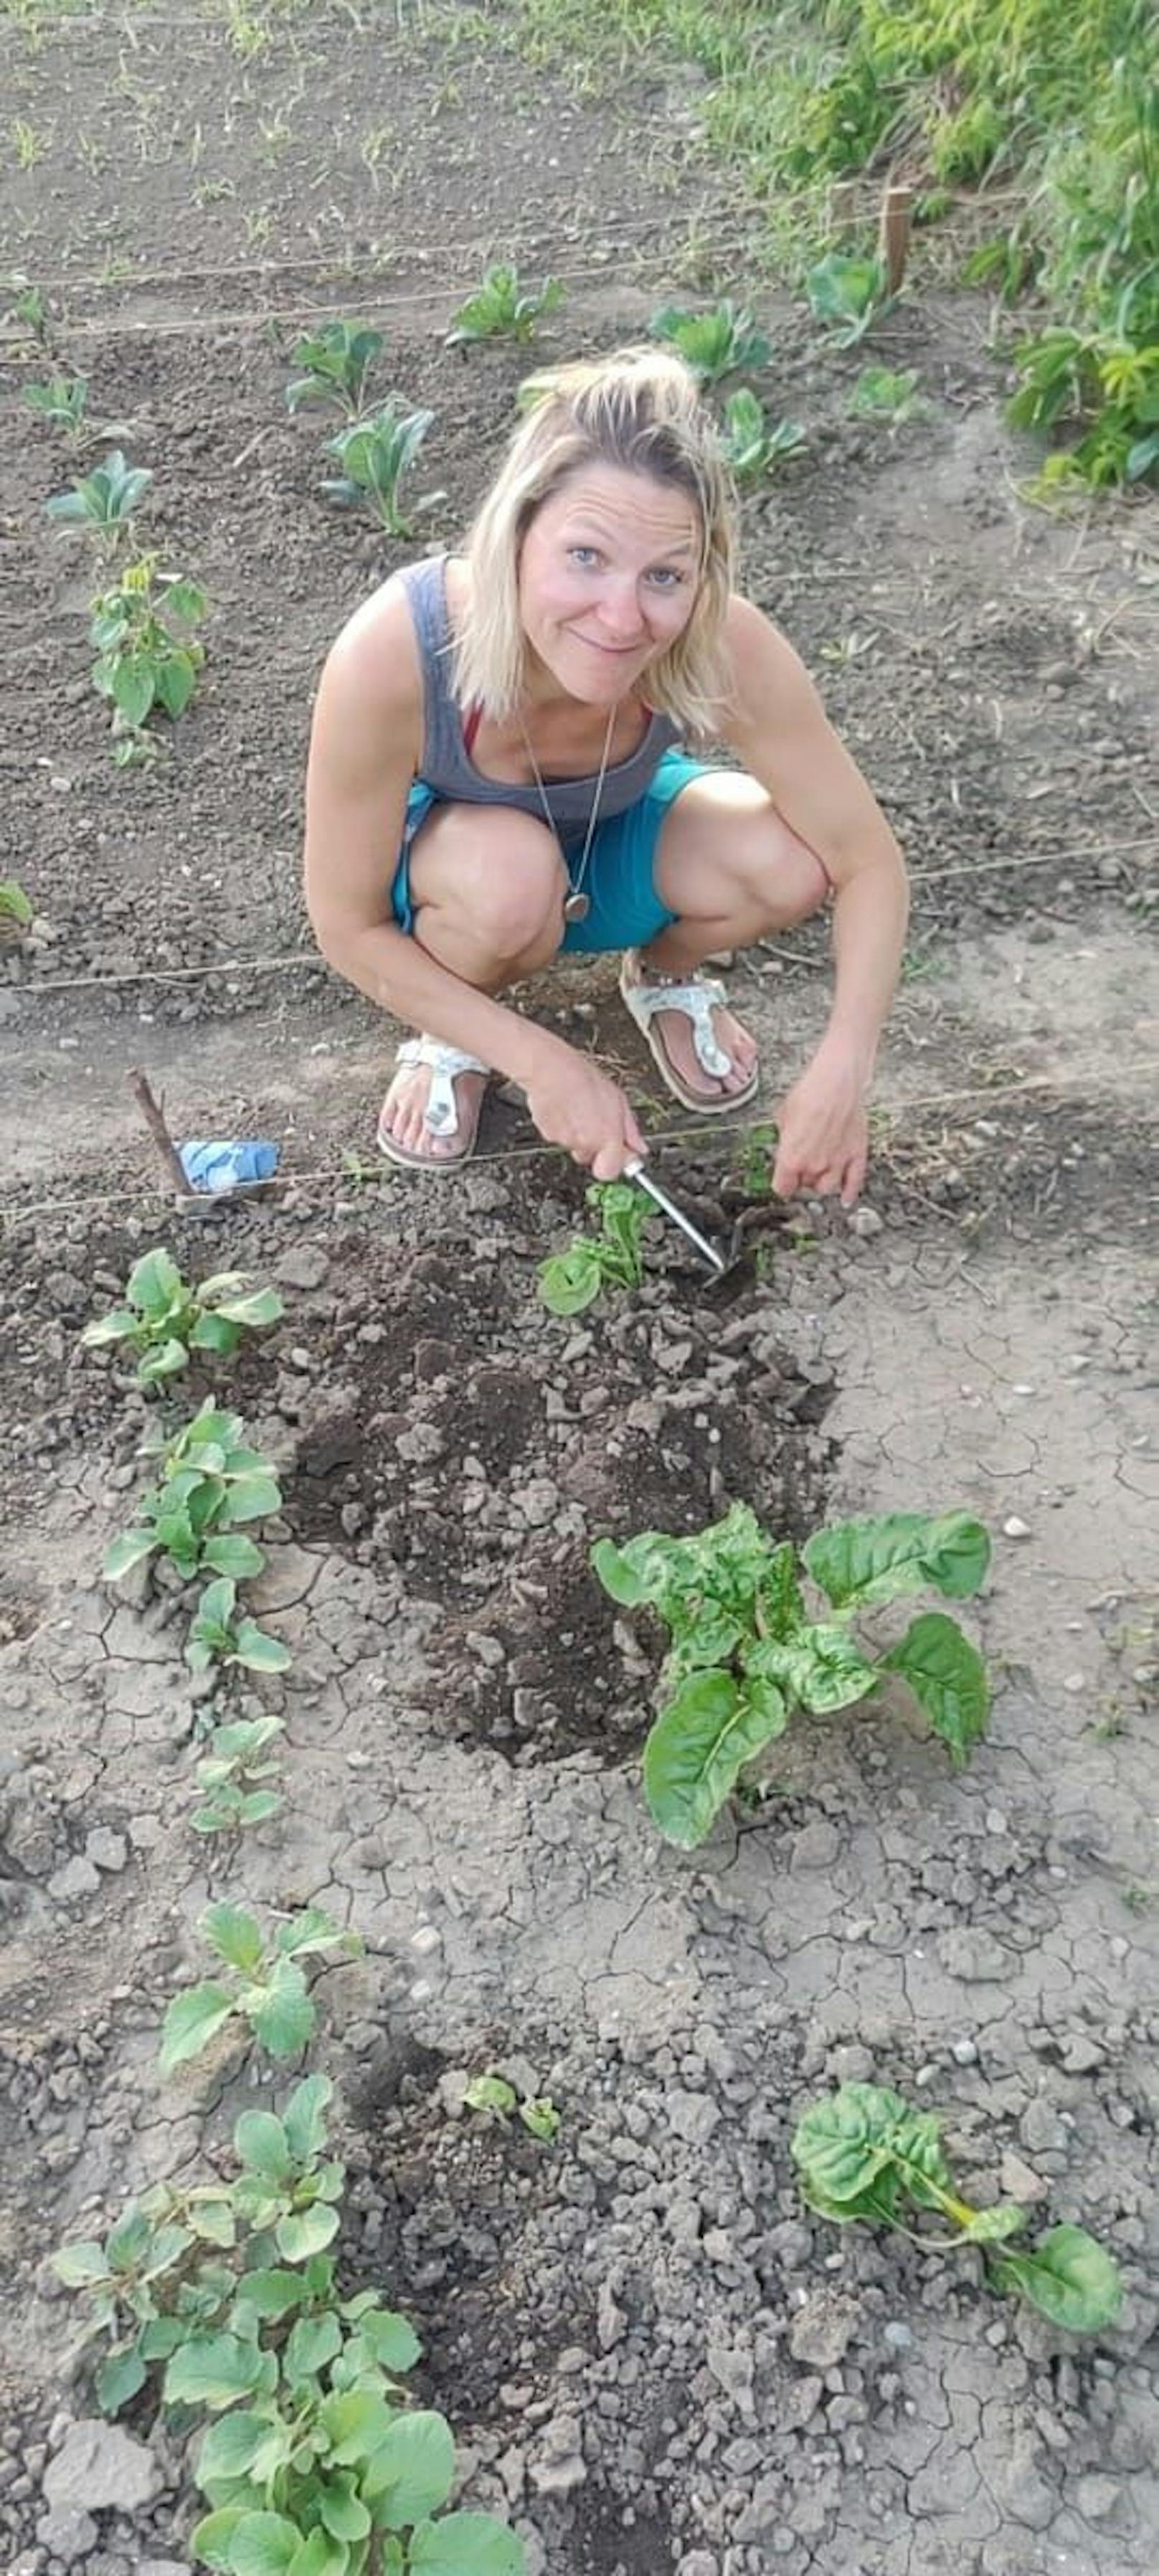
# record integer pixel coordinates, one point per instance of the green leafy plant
(215, 1636)
(745, 1651)
(63, 403)
(167, 1319)
(863, 2152)
(231, 1772)
(212, 1484)
(713, 344)
(848, 294)
(613, 1258)
(1108, 385)
(147, 653)
(501, 308)
(30, 307)
(267, 1987)
(493, 2093)
(751, 448)
(15, 911)
(104, 502)
(336, 360)
(754, 1169)
(888, 393)
(375, 454)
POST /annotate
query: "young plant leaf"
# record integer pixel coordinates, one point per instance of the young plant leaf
(119, 2378)
(304, 2118)
(864, 1561)
(946, 1673)
(1067, 2277)
(212, 2371)
(261, 2144)
(191, 2021)
(263, 2544)
(412, 2470)
(234, 1934)
(697, 1747)
(465, 2544)
(306, 2231)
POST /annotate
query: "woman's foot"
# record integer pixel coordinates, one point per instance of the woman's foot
(430, 1116)
(724, 1068)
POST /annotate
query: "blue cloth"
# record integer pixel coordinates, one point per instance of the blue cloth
(626, 911)
(221, 1163)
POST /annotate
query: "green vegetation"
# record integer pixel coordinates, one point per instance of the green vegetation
(147, 654)
(375, 454)
(266, 1985)
(751, 447)
(613, 1258)
(501, 309)
(745, 1652)
(889, 394)
(848, 295)
(230, 1775)
(336, 360)
(212, 1484)
(536, 2110)
(104, 502)
(15, 909)
(713, 344)
(167, 1319)
(215, 1636)
(865, 2153)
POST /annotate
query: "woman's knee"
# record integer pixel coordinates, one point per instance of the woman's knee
(730, 852)
(497, 872)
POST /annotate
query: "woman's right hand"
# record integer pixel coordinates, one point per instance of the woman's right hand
(576, 1106)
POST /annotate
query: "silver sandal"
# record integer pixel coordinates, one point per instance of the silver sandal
(441, 1115)
(698, 999)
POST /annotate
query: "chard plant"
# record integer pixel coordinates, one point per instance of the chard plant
(216, 1636)
(848, 294)
(501, 309)
(232, 1771)
(375, 455)
(336, 361)
(751, 448)
(864, 2152)
(167, 1319)
(746, 1651)
(266, 1986)
(537, 2111)
(104, 502)
(148, 655)
(888, 393)
(713, 344)
(212, 1484)
(613, 1258)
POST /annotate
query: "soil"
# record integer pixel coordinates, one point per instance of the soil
(651, 2354)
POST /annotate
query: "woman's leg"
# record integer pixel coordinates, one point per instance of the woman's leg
(487, 885)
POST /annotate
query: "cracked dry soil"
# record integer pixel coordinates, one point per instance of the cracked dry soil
(653, 2357)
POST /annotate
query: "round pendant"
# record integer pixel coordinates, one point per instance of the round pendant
(576, 907)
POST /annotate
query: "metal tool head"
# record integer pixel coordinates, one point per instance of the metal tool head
(710, 1253)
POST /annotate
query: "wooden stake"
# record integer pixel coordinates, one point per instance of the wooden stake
(893, 235)
(154, 1116)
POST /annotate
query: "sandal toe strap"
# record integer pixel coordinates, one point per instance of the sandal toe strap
(441, 1115)
(698, 1001)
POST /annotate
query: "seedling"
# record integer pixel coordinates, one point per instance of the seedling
(212, 1484)
(229, 1777)
(374, 455)
(713, 344)
(104, 502)
(15, 911)
(493, 2093)
(501, 309)
(745, 1653)
(888, 393)
(63, 401)
(849, 295)
(216, 1637)
(267, 1987)
(147, 653)
(336, 360)
(751, 448)
(755, 1168)
(613, 1258)
(863, 2152)
(167, 1319)
(31, 309)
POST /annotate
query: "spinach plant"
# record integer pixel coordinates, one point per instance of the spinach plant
(336, 360)
(166, 1318)
(212, 1484)
(751, 448)
(493, 2093)
(232, 1771)
(104, 502)
(216, 1636)
(863, 2152)
(613, 1258)
(848, 294)
(713, 344)
(746, 1651)
(267, 1986)
(148, 655)
(375, 454)
(501, 308)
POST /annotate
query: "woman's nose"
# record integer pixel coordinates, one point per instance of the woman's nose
(620, 613)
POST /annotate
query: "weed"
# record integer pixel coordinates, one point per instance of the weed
(336, 360)
(168, 1318)
(751, 448)
(754, 1168)
(863, 2152)
(745, 1652)
(613, 1258)
(536, 2110)
(212, 1486)
(375, 454)
(848, 295)
(501, 309)
(215, 1636)
(63, 402)
(266, 1986)
(231, 1772)
(15, 910)
(28, 145)
(713, 344)
(104, 502)
(1136, 1899)
(888, 393)
(31, 309)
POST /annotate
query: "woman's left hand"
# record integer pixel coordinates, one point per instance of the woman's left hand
(824, 1133)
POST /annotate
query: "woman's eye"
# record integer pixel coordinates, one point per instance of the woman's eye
(665, 578)
(584, 555)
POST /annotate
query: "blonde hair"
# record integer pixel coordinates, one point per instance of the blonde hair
(640, 410)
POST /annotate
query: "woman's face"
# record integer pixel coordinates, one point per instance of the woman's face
(608, 577)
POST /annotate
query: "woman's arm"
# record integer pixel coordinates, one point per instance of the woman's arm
(780, 732)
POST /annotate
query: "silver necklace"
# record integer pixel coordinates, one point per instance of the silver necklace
(577, 904)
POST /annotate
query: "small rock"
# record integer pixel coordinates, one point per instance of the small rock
(1082, 2055)
(865, 1222)
(815, 1847)
(560, 2465)
(822, 2330)
(896, 2335)
(974, 1956)
(1014, 1528)
(106, 1849)
(1018, 2181)
(693, 2116)
(304, 1266)
(77, 1878)
(1096, 2498)
(611, 2323)
(964, 2052)
(67, 2532)
(99, 2466)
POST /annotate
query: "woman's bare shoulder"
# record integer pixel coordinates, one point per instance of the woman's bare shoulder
(375, 657)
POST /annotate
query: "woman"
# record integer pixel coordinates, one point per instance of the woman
(493, 782)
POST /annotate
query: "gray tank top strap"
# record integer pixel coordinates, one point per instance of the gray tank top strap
(447, 766)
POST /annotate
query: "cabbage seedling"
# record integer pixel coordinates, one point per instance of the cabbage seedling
(166, 1319)
(229, 1775)
(216, 1637)
(887, 393)
(536, 2110)
(713, 344)
(849, 294)
(212, 1483)
(613, 1258)
(147, 654)
(336, 359)
(746, 1653)
(863, 2152)
(374, 455)
(501, 309)
(104, 501)
(266, 1988)
(751, 448)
